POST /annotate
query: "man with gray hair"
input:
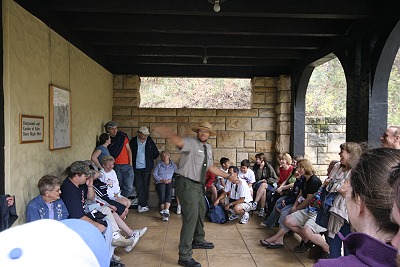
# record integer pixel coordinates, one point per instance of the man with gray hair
(391, 137)
(121, 152)
(144, 152)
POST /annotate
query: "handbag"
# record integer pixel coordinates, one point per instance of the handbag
(323, 214)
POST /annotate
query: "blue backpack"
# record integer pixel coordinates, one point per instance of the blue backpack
(216, 214)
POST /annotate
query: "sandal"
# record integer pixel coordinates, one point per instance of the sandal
(264, 242)
(274, 245)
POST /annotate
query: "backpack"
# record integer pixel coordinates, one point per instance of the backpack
(216, 214)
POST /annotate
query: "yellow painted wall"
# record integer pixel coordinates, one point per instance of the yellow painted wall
(34, 57)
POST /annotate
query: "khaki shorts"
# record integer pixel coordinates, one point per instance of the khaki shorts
(246, 206)
(304, 218)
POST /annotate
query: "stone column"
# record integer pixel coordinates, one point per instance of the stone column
(126, 100)
(263, 131)
(283, 106)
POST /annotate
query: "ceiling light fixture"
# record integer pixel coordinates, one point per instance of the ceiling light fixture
(217, 7)
(216, 3)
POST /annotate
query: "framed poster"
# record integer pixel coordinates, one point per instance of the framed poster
(30, 129)
(60, 118)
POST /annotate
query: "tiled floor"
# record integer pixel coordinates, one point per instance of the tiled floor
(235, 244)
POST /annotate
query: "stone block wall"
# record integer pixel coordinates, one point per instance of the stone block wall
(323, 136)
(241, 134)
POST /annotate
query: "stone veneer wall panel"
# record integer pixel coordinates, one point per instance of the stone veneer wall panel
(323, 137)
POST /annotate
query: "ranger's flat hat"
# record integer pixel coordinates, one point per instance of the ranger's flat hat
(204, 126)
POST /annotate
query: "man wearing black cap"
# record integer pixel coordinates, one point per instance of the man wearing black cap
(121, 152)
(196, 159)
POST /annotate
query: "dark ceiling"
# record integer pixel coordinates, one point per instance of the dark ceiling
(245, 39)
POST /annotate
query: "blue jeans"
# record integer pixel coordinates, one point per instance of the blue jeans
(274, 216)
(335, 244)
(285, 211)
(164, 193)
(125, 178)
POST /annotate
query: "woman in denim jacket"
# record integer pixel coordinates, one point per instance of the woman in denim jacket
(48, 204)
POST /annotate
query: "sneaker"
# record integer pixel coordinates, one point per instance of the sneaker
(179, 210)
(115, 263)
(161, 212)
(135, 239)
(245, 218)
(315, 252)
(139, 232)
(303, 247)
(263, 225)
(261, 213)
(165, 216)
(121, 242)
(115, 257)
(254, 206)
(143, 209)
(135, 201)
(233, 217)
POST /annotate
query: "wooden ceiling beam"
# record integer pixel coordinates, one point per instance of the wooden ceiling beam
(198, 71)
(202, 40)
(226, 52)
(207, 25)
(178, 60)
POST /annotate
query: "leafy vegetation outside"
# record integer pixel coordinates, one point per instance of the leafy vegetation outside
(326, 91)
(212, 93)
(394, 93)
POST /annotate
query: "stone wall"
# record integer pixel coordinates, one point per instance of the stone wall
(240, 133)
(323, 135)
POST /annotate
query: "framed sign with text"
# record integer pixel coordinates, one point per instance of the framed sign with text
(30, 129)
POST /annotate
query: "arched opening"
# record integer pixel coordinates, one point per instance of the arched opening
(394, 92)
(325, 114)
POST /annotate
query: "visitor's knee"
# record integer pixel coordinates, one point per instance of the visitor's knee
(289, 221)
(238, 209)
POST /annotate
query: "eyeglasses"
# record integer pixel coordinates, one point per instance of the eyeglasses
(56, 190)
